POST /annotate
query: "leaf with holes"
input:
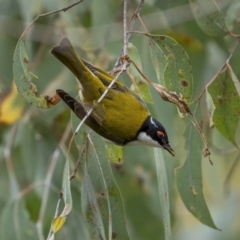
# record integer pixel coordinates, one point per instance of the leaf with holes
(23, 77)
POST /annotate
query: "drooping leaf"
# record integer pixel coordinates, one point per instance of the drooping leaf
(66, 190)
(172, 66)
(208, 17)
(23, 77)
(59, 221)
(89, 200)
(189, 177)
(15, 222)
(225, 94)
(163, 192)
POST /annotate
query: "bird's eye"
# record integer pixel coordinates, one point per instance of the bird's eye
(160, 134)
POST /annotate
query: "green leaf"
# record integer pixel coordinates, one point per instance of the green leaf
(109, 198)
(89, 200)
(159, 60)
(225, 94)
(232, 16)
(208, 17)
(189, 177)
(22, 77)
(59, 221)
(114, 152)
(135, 57)
(144, 90)
(163, 191)
(172, 65)
(66, 190)
(101, 199)
(142, 87)
(15, 222)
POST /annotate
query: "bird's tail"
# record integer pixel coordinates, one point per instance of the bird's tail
(65, 53)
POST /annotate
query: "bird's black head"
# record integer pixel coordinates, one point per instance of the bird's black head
(154, 134)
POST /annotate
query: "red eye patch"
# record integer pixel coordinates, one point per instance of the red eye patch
(160, 134)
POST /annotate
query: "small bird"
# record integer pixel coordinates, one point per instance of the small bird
(121, 117)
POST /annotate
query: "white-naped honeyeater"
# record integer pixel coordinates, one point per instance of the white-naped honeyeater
(121, 116)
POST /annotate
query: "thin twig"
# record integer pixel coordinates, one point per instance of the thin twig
(125, 40)
(134, 17)
(128, 31)
(142, 23)
(219, 71)
(47, 14)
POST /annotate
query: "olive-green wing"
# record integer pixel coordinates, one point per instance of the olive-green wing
(107, 78)
(94, 121)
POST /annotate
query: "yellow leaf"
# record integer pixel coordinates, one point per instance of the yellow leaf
(11, 107)
(57, 223)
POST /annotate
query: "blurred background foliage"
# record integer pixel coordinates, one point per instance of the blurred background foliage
(33, 141)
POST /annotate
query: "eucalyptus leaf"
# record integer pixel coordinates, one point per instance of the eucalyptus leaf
(163, 191)
(23, 77)
(66, 190)
(232, 16)
(89, 198)
(225, 94)
(208, 17)
(189, 177)
(15, 222)
(141, 87)
(172, 65)
(100, 191)
(114, 152)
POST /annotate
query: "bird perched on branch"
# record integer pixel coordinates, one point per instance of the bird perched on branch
(121, 116)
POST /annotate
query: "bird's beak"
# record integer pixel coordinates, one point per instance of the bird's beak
(169, 149)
